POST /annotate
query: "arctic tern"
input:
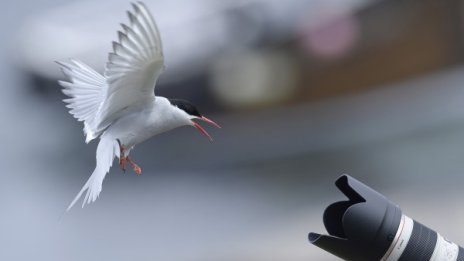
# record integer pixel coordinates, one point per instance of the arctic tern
(120, 106)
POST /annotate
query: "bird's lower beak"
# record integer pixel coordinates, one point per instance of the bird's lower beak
(202, 130)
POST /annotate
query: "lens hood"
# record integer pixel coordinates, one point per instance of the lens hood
(360, 228)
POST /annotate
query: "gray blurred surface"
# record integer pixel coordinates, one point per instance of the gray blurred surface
(246, 196)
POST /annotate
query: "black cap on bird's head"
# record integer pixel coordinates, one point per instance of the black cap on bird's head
(191, 110)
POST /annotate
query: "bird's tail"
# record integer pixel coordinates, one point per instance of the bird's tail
(106, 151)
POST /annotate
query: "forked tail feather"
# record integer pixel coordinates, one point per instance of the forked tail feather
(107, 149)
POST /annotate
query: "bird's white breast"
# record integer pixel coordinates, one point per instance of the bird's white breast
(138, 125)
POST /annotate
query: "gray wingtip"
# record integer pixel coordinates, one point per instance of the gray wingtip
(61, 64)
(131, 16)
(134, 5)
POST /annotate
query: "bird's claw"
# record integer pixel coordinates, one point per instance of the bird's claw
(137, 170)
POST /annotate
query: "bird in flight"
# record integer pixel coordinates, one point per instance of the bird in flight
(120, 106)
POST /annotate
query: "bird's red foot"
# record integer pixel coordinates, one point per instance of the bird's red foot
(123, 159)
(137, 170)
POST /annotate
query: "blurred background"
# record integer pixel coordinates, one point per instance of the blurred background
(305, 91)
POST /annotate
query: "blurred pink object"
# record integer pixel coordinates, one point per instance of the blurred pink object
(330, 38)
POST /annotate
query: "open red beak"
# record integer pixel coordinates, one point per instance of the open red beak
(203, 131)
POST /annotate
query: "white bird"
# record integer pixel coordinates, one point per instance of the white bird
(120, 106)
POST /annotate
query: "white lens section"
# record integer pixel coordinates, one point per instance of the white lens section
(444, 250)
(400, 241)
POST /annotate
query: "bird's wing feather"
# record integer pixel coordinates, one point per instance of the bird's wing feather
(106, 151)
(86, 90)
(134, 65)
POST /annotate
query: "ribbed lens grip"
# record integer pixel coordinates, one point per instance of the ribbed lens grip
(421, 244)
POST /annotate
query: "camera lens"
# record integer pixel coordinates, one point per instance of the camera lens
(369, 227)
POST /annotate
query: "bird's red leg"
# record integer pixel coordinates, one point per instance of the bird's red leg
(136, 167)
(122, 164)
(122, 158)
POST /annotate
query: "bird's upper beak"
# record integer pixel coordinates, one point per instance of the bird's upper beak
(203, 131)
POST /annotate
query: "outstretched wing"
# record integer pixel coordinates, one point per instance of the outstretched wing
(134, 65)
(86, 89)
